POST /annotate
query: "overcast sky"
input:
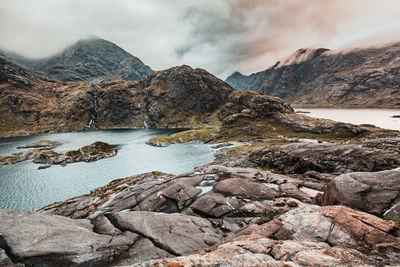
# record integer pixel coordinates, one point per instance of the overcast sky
(220, 36)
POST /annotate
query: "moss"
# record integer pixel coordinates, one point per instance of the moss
(182, 137)
(158, 173)
(73, 153)
(50, 153)
(261, 128)
(98, 147)
(292, 204)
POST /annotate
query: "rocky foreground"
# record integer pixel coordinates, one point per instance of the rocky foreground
(213, 216)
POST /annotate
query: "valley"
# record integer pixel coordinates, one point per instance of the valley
(178, 168)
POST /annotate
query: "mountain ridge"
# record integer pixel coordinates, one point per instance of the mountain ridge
(85, 60)
(367, 77)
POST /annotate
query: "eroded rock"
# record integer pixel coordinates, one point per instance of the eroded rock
(324, 158)
(93, 152)
(121, 238)
(377, 193)
(213, 192)
(306, 236)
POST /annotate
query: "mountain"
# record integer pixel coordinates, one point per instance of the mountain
(179, 97)
(85, 60)
(323, 78)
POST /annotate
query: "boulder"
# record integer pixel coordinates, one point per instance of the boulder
(324, 157)
(29, 238)
(306, 236)
(377, 193)
(216, 192)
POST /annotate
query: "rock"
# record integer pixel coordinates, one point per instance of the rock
(222, 145)
(306, 236)
(93, 152)
(365, 77)
(31, 238)
(336, 226)
(388, 143)
(191, 233)
(42, 144)
(262, 105)
(229, 197)
(324, 157)
(41, 167)
(34, 239)
(396, 116)
(259, 251)
(377, 193)
(201, 135)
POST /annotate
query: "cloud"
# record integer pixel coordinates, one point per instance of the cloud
(219, 35)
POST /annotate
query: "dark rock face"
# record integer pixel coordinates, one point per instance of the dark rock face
(86, 60)
(122, 238)
(263, 105)
(324, 158)
(166, 98)
(321, 78)
(178, 97)
(377, 193)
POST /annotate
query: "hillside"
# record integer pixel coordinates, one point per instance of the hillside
(85, 60)
(179, 97)
(324, 78)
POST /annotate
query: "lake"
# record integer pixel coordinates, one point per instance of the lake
(378, 117)
(24, 187)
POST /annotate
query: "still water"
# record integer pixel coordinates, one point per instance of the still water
(22, 186)
(378, 117)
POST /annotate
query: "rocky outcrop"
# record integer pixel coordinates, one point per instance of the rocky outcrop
(306, 236)
(42, 144)
(324, 78)
(377, 193)
(86, 60)
(120, 238)
(324, 157)
(214, 192)
(96, 151)
(30, 104)
(180, 97)
(42, 154)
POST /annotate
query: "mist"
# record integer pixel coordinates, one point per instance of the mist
(221, 36)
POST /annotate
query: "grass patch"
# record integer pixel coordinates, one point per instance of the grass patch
(200, 135)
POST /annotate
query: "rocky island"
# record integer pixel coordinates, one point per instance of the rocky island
(42, 153)
(296, 191)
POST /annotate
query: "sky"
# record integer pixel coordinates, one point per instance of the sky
(221, 36)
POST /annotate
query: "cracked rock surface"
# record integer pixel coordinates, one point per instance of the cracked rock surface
(59, 241)
(214, 192)
(306, 236)
(377, 193)
(324, 158)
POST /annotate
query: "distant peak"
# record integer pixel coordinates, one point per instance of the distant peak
(236, 74)
(301, 55)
